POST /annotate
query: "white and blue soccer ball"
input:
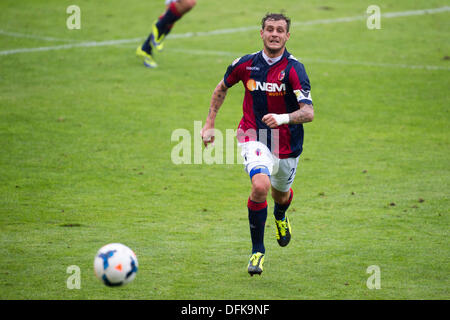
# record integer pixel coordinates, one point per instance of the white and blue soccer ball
(115, 264)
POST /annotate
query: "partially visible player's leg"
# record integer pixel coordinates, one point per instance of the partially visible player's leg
(282, 195)
(175, 9)
(162, 27)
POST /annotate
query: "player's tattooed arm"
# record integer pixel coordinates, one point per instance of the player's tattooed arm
(302, 115)
(217, 100)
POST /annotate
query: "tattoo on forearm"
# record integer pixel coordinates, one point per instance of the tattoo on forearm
(217, 100)
(305, 114)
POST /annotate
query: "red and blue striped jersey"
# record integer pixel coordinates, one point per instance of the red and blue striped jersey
(276, 88)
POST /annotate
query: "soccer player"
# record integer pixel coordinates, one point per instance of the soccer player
(277, 102)
(175, 9)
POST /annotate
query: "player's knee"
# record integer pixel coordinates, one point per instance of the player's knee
(188, 4)
(192, 3)
(260, 186)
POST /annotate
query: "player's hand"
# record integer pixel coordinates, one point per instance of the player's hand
(274, 120)
(207, 134)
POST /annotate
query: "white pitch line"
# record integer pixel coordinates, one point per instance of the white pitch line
(72, 45)
(31, 36)
(222, 31)
(387, 15)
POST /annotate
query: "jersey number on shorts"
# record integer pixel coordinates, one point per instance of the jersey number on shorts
(291, 175)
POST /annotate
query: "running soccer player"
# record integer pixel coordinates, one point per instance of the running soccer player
(277, 102)
(175, 9)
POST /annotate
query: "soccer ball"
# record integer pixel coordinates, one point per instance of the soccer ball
(115, 264)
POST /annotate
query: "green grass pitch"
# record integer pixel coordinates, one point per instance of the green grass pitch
(85, 158)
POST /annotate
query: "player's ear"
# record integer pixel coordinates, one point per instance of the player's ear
(261, 32)
(288, 35)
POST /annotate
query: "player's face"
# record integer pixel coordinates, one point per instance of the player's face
(275, 35)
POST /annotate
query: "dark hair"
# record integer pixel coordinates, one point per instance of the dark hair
(276, 17)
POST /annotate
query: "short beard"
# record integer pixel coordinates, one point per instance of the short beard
(274, 51)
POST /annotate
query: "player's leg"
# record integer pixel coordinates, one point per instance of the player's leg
(175, 9)
(282, 202)
(161, 28)
(257, 210)
(282, 195)
(258, 163)
(156, 33)
(257, 216)
(145, 50)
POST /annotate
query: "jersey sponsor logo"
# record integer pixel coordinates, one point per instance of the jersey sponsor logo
(270, 87)
(252, 68)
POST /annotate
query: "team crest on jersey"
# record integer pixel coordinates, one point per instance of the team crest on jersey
(281, 75)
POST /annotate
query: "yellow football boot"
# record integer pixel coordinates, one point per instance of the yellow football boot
(149, 62)
(255, 265)
(283, 229)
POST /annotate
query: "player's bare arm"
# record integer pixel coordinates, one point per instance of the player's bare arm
(303, 115)
(217, 100)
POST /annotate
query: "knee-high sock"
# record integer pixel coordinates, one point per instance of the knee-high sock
(279, 210)
(257, 216)
(164, 25)
(166, 21)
